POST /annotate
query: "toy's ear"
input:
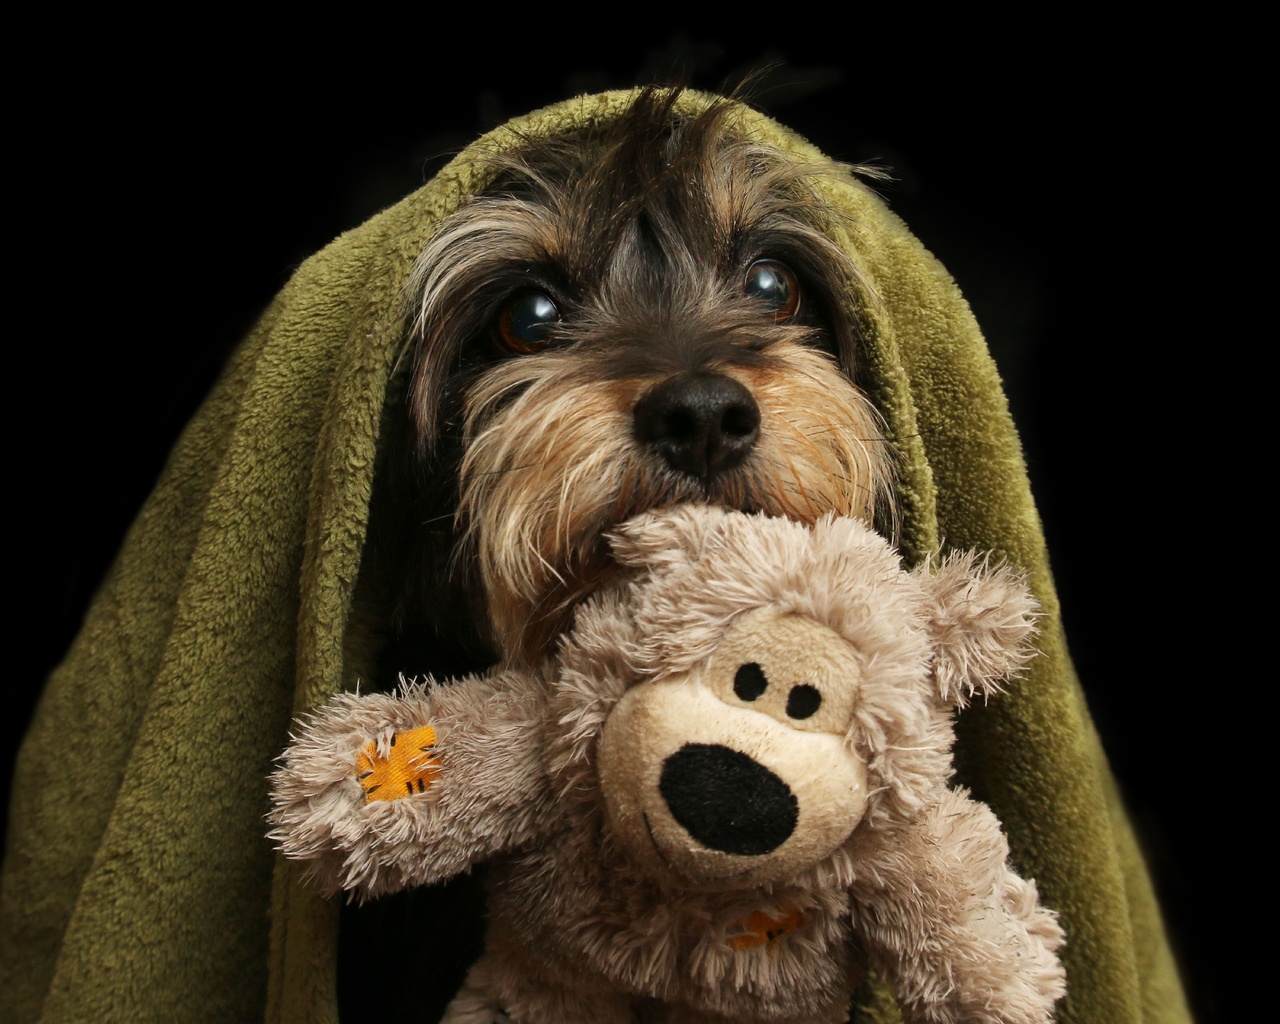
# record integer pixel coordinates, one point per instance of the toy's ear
(981, 618)
(666, 538)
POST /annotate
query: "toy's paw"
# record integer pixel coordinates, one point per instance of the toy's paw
(409, 767)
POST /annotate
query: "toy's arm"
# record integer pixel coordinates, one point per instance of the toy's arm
(962, 938)
(380, 792)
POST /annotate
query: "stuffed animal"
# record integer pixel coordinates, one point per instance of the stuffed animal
(722, 799)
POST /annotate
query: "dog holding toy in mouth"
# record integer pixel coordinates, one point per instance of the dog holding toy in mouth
(653, 310)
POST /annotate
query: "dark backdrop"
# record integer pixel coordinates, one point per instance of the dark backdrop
(163, 200)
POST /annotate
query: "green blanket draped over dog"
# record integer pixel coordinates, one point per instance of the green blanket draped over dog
(138, 885)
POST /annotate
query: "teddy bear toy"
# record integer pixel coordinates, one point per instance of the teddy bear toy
(723, 797)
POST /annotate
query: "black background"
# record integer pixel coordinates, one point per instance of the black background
(162, 197)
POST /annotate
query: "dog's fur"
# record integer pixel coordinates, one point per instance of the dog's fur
(642, 232)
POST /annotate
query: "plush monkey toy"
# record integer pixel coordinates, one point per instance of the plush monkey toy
(723, 797)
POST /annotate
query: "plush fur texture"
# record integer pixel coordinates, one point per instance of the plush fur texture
(663, 368)
(725, 796)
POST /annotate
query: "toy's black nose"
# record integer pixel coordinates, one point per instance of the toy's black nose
(726, 800)
(700, 423)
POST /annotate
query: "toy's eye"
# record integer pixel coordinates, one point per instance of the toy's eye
(775, 286)
(524, 323)
(803, 701)
(749, 681)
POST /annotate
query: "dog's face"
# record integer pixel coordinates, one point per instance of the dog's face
(642, 314)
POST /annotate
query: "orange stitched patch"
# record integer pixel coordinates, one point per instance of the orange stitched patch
(761, 929)
(410, 767)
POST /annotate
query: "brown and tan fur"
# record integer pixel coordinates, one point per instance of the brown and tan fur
(641, 231)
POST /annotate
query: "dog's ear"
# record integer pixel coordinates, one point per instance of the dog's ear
(667, 538)
(981, 617)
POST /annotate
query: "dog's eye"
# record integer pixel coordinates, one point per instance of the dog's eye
(774, 285)
(525, 322)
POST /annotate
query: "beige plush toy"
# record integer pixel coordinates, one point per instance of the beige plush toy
(723, 798)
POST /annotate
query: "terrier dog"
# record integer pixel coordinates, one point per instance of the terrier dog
(637, 314)
(645, 312)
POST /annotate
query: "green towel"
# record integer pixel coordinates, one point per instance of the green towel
(138, 885)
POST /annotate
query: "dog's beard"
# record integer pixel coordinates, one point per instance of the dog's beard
(548, 472)
(643, 235)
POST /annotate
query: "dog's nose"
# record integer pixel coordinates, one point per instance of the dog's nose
(701, 423)
(728, 801)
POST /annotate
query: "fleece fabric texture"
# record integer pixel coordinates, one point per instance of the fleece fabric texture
(137, 884)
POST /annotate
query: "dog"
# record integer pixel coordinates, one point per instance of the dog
(646, 312)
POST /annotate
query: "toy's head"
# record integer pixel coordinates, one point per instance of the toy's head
(778, 686)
